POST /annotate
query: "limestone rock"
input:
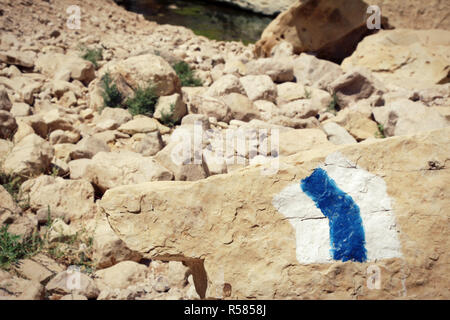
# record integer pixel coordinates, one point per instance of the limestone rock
(294, 141)
(403, 117)
(108, 249)
(225, 85)
(74, 199)
(355, 85)
(241, 107)
(73, 282)
(121, 275)
(337, 134)
(88, 147)
(19, 289)
(311, 71)
(329, 28)
(31, 156)
(143, 124)
(413, 59)
(65, 67)
(225, 229)
(171, 107)
(260, 87)
(279, 70)
(138, 71)
(110, 169)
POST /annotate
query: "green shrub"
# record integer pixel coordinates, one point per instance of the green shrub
(186, 75)
(112, 97)
(380, 133)
(167, 118)
(12, 248)
(333, 106)
(143, 101)
(92, 55)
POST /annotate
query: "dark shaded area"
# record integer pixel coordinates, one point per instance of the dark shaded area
(215, 21)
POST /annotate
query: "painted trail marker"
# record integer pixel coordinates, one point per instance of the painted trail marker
(340, 212)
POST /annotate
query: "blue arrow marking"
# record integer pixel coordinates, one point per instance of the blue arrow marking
(346, 230)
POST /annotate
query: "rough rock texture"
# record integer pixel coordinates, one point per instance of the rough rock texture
(403, 117)
(138, 71)
(226, 229)
(330, 28)
(61, 196)
(412, 59)
(109, 169)
(32, 155)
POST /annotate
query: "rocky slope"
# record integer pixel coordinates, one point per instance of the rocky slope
(218, 192)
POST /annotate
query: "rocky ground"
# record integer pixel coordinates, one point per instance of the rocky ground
(94, 204)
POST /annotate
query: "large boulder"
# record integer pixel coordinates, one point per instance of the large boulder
(329, 28)
(412, 59)
(281, 237)
(139, 71)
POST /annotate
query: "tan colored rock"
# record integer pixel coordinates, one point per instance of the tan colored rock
(65, 67)
(355, 85)
(311, 71)
(413, 59)
(72, 282)
(279, 70)
(19, 289)
(225, 85)
(241, 107)
(225, 229)
(60, 136)
(171, 107)
(329, 28)
(121, 275)
(88, 147)
(108, 249)
(299, 109)
(290, 91)
(260, 87)
(404, 117)
(143, 124)
(20, 109)
(31, 156)
(357, 120)
(138, 71)
(182, 156)
(414, 14)
(72, 198)
(110, 169)
(295, 141)
(337, 134)
(23, 59)
(147, 144)
(8, 206)
(210, 107)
